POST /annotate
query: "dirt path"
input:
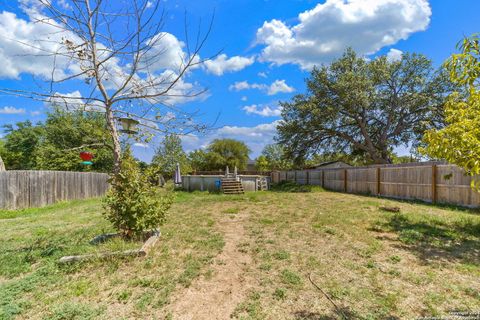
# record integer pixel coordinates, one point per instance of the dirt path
(217, 297)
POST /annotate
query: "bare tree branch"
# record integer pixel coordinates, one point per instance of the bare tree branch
(114, 53)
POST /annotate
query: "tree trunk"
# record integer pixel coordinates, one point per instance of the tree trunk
(382, 161)
(117, 149)
(379, 158)
(2, 165)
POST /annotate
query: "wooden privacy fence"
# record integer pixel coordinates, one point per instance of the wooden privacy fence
(26, 189)
(430, 182)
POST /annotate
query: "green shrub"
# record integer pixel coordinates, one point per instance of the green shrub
(133, 205)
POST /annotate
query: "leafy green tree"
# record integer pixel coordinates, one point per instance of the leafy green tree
(56, 144)
(227, 152)
(21, 145)
(358, 106)
(459, 141)
(168, 154)
(132, 204)
(403, 159)
(198, 160)
(352, 159)
(276, 157)
(262, 164)
(66, 134)
(2, 151)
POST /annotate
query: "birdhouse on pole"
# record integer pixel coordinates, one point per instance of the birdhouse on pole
(129, 125)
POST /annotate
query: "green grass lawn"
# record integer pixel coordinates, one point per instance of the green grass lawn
(423, 261)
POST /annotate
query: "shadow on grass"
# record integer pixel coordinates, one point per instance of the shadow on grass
(367, 195)
(293, 187)
(435, 239)
(446, 206)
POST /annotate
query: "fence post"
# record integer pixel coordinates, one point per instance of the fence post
(345, 175)
(378, 181)
(308, 177)
(434, 183)
(323, 178)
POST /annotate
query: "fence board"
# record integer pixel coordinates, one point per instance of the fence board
(430, 182)
(334, 179)
(26, 189)
(363, 181)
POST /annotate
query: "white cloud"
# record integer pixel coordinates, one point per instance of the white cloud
(149, 4)
(72, 101)
(141, 145)
(12, 110)
(264, 111)
(255, 137)
(166, 53)
(244, 98)
(22, 40)
(278, 86)
(394, 55)
(68, 101)
(181, 92)
(239, 86)
(20, 43)
(324, 32)
(223, 64)
(64, 4)
(262, 74)
(191, 142)
(35, 113)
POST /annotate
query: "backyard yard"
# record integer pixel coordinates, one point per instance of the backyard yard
(247, 257)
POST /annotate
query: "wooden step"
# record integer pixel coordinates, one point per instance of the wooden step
(232, 186)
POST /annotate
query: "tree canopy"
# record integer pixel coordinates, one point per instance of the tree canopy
(262, 164)
(56, 144)
(2, 151)
(66, 133)
(459, 141)
(21, 143)
(168, 154)
(227, 152)
(198, 160)
(220, 154)
(274, 158)
(364, 107)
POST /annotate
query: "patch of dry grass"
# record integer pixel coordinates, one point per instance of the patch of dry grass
(35, 286)
(374, 264)
(423, 261)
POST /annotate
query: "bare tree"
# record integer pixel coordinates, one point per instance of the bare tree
(2, 165)
(116, 51)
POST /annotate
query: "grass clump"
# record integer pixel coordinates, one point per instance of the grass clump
(281, 255)
(280, 293)
(291, 278)
(250, 309)
(74, 311)
(233, 210)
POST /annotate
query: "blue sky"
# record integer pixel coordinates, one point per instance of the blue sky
(267, 49)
